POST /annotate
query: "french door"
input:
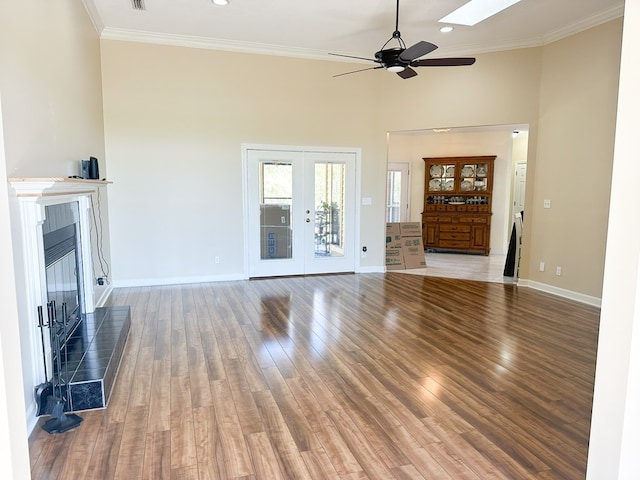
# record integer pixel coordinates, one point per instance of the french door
(301, 212)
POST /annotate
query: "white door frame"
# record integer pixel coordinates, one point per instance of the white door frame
(295, 148)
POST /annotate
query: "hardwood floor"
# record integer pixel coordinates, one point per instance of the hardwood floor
(380, 376)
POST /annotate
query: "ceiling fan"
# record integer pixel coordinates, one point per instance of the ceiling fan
(400, 59)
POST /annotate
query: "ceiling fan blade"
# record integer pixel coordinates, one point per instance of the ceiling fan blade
(443, 62)
(407, 73)
(356, 71)
(351, 56)
(417, 51)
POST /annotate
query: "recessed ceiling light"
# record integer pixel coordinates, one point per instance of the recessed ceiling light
(441, 130)
(446, 29)
(476, 11)
(221, 2)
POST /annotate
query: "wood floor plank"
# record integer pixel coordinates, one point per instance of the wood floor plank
(160, 397)
(340, 377)
(264, 459)
(82, 445)
(208, 447)
(105, 456)
(157, 456)
(235, 455)
(132, 444)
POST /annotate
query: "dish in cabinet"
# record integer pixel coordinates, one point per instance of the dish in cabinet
(448, 185)
(466, 185)
(435, 184)
(467, 171)
(450, 171)
(436, 170)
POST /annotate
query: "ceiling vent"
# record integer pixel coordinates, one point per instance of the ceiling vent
(138, 4)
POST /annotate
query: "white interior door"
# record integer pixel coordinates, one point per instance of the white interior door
(520, 180)
(397, 192)
(301, 212)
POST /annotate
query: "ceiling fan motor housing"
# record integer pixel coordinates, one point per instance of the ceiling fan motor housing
(390, 58)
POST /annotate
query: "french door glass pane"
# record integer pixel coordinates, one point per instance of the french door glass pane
(329, 209)
(394, 193)
(276, 194)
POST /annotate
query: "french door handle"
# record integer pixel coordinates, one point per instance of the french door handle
(308, 220)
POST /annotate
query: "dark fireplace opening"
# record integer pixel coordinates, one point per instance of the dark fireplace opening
(63, 268)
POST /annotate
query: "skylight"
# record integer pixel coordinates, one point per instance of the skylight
(476, 11)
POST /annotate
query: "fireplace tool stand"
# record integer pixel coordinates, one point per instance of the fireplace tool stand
(45, 390)
(59, 422)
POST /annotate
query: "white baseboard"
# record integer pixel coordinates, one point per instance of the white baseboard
(151, 282)
(32, 420)
(105, 296)
(561, 292)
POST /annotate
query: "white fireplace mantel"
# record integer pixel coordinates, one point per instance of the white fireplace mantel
(32, 195)
(53, 186)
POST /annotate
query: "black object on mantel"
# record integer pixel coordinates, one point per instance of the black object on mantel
(90, 169)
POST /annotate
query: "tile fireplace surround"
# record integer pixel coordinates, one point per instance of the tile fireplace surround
(32, 196)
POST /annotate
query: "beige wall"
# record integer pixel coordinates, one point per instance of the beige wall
(176, 119)
(573, 165)
(50, 79)
(50, 82)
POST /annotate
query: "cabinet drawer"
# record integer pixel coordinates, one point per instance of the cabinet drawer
(455, 227)
(430, 219)
(470, 219)
(430, 208)
(483, 208)
(453, 244)
(445, 219)
(472, 208)
(455, 236)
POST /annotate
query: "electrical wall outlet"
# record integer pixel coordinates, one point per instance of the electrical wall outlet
(558, 270)
(542, 266)
(217, 259)
(547, 204)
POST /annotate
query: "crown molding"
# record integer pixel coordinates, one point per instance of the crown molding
(126, 35)
(94, 16)
(585, 24)
(210, 43)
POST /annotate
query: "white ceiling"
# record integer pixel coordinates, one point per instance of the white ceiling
(301, 28)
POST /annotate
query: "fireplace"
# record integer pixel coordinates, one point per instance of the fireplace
(63, 269)
(53, 224)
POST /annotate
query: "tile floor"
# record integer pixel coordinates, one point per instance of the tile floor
(465, 266)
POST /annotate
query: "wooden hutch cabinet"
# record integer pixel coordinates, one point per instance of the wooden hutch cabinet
(457, 203)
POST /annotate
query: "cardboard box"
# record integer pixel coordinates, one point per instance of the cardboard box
(277, 215)
(411, 229)
(404, 248)
(393, 234)
(413, 256)
(394, 259)
(275, 242)
(411, 242)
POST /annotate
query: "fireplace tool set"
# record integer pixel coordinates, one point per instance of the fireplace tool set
(53, 396)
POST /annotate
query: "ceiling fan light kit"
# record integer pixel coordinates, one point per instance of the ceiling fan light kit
(401, 59)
